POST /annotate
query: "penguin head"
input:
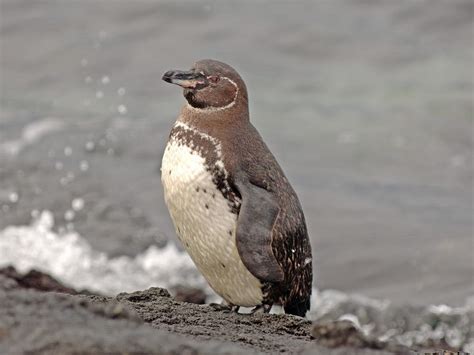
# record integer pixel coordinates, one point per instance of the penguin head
(210, 85)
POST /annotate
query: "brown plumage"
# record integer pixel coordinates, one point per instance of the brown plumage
(271, 235)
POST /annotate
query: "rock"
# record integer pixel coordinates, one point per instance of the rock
(150, 295)
(153, 322)
(116, 310)
(36, 280)
(345, 333)
(265, 333)
(190, 295)
(52, 323)
(7, 283)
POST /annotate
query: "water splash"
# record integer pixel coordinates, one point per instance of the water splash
(31, 134)
(410, 325)
(69, 258)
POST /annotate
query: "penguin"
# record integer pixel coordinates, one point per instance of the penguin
(232, 206)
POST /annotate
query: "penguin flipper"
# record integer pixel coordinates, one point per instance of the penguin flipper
(258, 213)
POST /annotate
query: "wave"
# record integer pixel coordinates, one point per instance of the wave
(69, 258)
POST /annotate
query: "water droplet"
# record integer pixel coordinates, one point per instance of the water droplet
(67, 151)
(99, 94)
(35, 214)
(121, 91)
(122, 109)
(110, 135)
(13, 197)
(84, 62)
(69, 215)
(77, 204)
(105, 80)
(84, 165)
(86, 102)
(88, 80)
(58, 165)
(90, 146)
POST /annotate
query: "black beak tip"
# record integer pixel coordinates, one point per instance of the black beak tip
(167, 76)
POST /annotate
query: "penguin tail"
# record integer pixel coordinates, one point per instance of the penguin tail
(297, 307)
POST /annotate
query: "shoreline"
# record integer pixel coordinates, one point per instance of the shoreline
(36, 318)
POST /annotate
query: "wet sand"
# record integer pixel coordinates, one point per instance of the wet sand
(367, 106)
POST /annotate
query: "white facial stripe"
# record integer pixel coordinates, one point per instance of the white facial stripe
(214, 109)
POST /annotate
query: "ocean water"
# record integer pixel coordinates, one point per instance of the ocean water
(367, 106)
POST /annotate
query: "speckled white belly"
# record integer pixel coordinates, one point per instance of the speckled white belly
(205, 225)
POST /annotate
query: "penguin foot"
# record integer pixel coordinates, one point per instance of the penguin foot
(225, 307)
(264, 308)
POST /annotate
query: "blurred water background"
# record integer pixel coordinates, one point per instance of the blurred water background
(368, 106)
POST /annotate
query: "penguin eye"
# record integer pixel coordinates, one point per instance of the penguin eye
(213, 79)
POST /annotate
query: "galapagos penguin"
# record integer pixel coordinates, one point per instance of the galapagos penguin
(233, 209)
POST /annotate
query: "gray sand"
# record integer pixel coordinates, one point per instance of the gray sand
(144, 322)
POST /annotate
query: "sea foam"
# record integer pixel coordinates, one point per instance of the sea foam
(70, 258)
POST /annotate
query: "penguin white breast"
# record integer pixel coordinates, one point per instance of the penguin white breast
(204, 222)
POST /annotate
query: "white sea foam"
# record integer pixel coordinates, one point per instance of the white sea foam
(69, 258)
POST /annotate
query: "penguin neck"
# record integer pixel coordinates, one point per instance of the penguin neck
(225, 118)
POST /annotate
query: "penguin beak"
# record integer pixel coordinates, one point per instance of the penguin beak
(186, 79)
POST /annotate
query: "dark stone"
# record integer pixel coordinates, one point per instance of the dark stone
(190, 295)
(36, 280)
